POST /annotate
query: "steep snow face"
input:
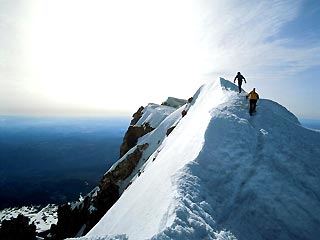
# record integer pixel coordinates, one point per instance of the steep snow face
(264, 172)
(222, 174)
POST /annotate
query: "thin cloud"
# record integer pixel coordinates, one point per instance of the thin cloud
(101, 53)
(244, 35)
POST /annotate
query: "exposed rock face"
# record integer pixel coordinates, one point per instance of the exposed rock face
(85, 215)
(170, 130)
(69, 222)
(73, 220)
(17, 229)
(184, 112)
(131, 137)
(174, 102)
(79, 217)
(136, 116)
(125, 168)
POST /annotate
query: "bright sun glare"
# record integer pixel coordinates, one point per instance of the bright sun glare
(87, 53)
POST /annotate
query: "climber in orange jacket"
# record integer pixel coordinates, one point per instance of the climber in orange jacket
(253, 98)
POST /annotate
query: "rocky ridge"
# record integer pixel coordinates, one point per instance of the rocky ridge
(77, 218)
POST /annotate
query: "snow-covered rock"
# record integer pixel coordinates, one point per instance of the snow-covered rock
(174, 102)
(42, 217)
(144, 121)
(148, 123)
(221, 174)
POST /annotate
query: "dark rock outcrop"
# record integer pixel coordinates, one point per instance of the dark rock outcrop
(131, 137)
(126, 167)
(136, 116)
(88, 213)
(184, 112)
(79, 217)
(170, 130)
(69, 222)
(17, 229)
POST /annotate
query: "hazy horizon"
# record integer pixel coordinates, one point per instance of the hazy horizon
(38, 155)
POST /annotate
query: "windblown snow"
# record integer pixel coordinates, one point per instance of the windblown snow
(222, 174)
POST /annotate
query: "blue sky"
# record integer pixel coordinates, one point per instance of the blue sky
(306, 26)
(69, 57)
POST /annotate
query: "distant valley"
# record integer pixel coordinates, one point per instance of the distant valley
(54, 160)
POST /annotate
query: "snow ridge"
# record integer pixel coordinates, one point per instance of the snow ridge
(222, 174)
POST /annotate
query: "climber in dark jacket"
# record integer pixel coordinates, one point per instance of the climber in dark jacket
(253, 98)
(240, 78)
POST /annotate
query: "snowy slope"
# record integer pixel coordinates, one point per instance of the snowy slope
(42, 217)
(222, 174)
